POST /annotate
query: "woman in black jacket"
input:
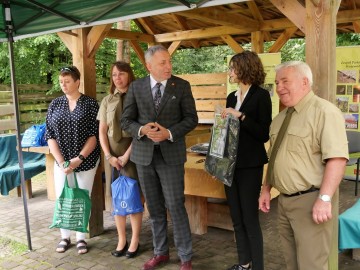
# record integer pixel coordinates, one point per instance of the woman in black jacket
(252, 105)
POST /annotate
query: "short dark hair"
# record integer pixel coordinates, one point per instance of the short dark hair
(248, 68)
(72, 71)
(121, 66)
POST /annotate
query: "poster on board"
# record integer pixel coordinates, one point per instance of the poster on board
(347, 96)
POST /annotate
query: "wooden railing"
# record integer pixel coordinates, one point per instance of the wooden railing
(34, 101)
(209, 91)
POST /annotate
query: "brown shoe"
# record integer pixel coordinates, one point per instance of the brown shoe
(186, 266)
(156, 261)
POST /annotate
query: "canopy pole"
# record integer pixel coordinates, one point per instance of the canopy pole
(9, 30)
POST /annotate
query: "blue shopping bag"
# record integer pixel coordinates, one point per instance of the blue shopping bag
(126, 196)
(34, 136)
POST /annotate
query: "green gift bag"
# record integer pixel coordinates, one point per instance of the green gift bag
(72, 208)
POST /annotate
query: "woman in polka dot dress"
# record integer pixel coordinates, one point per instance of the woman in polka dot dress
(117, 147)
(72, 135)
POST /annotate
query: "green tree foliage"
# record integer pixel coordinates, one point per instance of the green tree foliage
(348, 39)
(294, 49)
(38, 59)
(202, 60)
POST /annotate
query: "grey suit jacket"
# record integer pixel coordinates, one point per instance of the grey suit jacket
(177, 113)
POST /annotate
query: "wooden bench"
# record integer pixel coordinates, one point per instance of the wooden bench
(8, 125)
(10, 176)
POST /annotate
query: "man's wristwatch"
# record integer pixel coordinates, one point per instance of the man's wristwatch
(81, 157)
(325, 198)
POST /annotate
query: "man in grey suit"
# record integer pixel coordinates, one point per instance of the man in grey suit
(159, 151)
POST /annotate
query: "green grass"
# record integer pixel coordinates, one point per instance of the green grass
(10, 247)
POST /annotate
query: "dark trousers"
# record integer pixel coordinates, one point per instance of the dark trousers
(242, 199)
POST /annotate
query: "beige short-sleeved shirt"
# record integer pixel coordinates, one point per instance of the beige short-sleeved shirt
(110, 112)
(316, 133)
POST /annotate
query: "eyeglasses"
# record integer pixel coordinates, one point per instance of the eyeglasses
(231, 69)
(67, 69)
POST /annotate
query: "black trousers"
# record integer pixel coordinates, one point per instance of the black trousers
(242, 199)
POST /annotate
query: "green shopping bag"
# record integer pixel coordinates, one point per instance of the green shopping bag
(72, 208)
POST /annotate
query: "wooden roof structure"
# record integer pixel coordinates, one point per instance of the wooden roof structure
(225, 24)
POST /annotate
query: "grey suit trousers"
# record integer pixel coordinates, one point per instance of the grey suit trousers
(163, 188)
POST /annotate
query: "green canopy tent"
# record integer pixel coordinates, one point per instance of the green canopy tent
(27, 18)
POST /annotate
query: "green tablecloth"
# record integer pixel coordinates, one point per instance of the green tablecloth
(349, 228)
(34, 163)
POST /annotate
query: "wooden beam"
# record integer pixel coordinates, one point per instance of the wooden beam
(282, 39)
(291, 7)
(257, 42)
(232, 43)
(202, 33)
(96, 37)
(346, 16)
(173, 47)
(257, 16)
(184, 26)
(293, 10)
(85, 64)
(67, 39)
(218, 16)
(356, 26)
(128, 35)
(147, 26)
(138, 50)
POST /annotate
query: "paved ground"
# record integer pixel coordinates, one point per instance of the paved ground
(213, 251)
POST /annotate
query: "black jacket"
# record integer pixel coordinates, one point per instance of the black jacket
(254, 130)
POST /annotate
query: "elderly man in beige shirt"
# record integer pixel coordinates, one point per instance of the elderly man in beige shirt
(308, 167)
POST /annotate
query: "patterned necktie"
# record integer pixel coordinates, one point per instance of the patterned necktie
(157, 97)
(275, 148)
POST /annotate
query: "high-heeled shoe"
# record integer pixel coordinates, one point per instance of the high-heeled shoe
(130, 254)
(119, 253)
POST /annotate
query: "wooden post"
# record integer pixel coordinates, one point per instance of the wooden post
(321, 45)
(321, 56)
(86, 66)
(123, 46)
(257, 42)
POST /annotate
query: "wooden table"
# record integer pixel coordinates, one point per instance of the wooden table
(205, 197)
(199, 186)
(96, 223)
(49, 159)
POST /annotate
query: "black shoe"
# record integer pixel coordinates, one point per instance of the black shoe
(239, 267)
(119, 253)
(130, 254)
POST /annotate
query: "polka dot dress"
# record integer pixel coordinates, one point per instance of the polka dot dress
(72, 129)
